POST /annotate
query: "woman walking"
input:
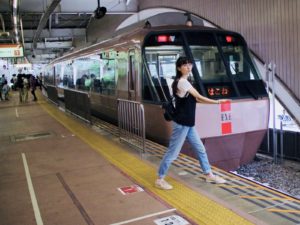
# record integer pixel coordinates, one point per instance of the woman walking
(184, 125)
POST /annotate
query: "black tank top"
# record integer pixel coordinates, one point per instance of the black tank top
(185, 110)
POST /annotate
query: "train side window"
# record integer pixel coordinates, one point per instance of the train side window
(66, 76)
(167, 71)
(107, 76)
(49, 77)
(161, 63)
(58, 75)
(87, 71)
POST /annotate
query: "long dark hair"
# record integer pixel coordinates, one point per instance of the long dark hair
(180, 61)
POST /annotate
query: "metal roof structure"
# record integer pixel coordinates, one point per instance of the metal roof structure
(48, 28)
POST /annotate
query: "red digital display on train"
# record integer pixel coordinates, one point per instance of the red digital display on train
(218, 91)
(165, 38)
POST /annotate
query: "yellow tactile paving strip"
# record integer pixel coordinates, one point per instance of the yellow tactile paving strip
(198, 208)
(237, 186)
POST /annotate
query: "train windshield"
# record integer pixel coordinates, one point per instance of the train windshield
(220, 57)
(222, 64)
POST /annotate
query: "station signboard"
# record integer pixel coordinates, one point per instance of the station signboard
(11, 50)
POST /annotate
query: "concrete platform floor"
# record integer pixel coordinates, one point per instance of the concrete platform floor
(71, 183)
(55, 169)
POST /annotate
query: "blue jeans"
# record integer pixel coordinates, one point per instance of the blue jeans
(179, 134)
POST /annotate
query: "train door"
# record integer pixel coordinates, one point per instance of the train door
(131, 75)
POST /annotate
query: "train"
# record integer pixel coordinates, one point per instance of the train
(138, 64)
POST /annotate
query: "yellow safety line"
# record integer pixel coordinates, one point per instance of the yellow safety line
(195, 206)
(284, 210)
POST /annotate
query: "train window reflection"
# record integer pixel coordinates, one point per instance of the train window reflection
(49, 75)
(87, 71)
(209, 64)
(240, 66)
(66, 75)
(237, 58)
(161, 62)
(107, 77)
(153, 69)
(58, 74)
(167, 68)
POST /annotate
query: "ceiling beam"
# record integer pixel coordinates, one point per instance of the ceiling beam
(51, 45)
(44, 20)
(60, 33)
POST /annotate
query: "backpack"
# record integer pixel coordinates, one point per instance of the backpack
(170, 110)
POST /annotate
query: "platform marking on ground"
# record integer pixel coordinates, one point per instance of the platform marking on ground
(144, 217)
(35, 205)
(265, 208)
(17, 113)
(240, 187)
(173, 219)
(75, 200)
(284, 210)
(130, 189)
(264, 198)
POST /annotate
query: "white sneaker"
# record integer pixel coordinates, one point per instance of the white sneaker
(162, 184)
(215, 179)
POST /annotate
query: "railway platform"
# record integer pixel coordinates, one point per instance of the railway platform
(57, 169)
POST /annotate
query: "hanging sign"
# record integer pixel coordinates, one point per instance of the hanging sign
(11, 50)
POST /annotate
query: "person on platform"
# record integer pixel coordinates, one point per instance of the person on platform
(184, 125)
(33, 83)
(26, 87)
(5, 90)
(20, 86)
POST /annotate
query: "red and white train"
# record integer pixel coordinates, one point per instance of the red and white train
(139, 64)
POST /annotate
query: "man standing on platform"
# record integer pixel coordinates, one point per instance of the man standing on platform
(32, 82)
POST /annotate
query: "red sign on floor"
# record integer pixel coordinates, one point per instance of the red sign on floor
(130, 189)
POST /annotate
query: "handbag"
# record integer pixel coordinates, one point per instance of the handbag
(170, 110)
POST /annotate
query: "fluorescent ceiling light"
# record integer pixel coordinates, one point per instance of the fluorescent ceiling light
(15, 3)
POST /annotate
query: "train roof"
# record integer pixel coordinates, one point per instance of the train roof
(136, 32)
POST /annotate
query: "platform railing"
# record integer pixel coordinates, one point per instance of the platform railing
(78, 103)
(131, 122)
(52, 94)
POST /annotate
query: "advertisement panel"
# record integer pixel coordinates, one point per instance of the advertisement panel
(11, 50)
